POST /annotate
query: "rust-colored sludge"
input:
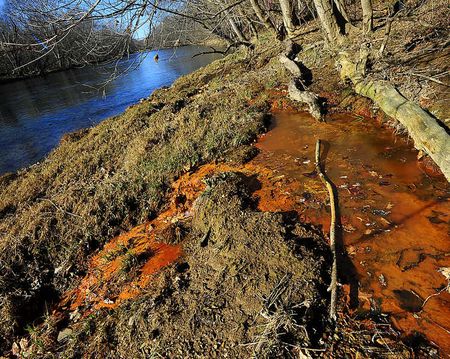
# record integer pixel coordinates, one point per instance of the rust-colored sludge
(128, 262)
(395, 214)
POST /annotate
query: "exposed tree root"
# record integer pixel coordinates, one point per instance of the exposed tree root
(333, 285)
(308, 97)
(297, 88)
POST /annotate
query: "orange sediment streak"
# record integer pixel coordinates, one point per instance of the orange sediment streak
(107, 286)
(164, 256)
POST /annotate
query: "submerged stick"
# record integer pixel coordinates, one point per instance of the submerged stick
(333, 285)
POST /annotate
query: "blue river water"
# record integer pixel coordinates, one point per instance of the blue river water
(35, 113)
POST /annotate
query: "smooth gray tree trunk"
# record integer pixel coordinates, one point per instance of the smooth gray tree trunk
(367, 15)
(341, 8)
(286, 9)
(328, 21)
(264, 18)
(236, 29)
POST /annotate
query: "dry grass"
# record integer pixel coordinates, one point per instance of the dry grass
(284, 331)
(108, 178)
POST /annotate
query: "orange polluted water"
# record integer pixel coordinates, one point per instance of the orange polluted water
(395, 218)
(395, 221)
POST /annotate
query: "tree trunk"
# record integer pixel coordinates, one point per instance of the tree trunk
(427, 134)
(262, 17)
(367, 15)
(297, 88)
(341, 8)
(236, 29)
(252, 27)
(288, 20)
(328, 21)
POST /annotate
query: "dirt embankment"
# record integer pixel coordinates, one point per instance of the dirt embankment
(247, 281)
(105, 180)
(208, 270)
(250, 280)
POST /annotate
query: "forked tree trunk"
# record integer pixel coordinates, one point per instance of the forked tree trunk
(328, 21)
(425, 131)
(264, 18)
(288, 20)
(367, 15)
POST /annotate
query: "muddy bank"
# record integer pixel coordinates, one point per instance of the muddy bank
(247, 282)
(138, 244)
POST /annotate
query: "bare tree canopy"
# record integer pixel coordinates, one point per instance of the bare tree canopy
(45, 35)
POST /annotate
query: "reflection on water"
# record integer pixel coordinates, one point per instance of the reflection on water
(35, 113)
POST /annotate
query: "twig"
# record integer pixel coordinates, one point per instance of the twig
(279, 289)
(387, 32)
(59, 208)
(432, 295)
(333, 285)
(429, 78)
(214, 51)
(445, 271)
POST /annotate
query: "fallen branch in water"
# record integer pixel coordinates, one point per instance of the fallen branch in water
(333, 285)
(445, 271)
(428, 135)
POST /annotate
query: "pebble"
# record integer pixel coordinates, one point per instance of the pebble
(64, 334)
(382, 280)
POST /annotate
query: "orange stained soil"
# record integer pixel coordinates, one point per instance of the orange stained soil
(395, 218)
(127, 263)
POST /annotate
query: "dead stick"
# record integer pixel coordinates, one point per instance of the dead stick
(429, 78)
(333, 285)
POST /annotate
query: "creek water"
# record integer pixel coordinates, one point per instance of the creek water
(35, 113)
(395, 218)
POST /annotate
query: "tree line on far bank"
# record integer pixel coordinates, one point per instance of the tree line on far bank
(38, 36)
